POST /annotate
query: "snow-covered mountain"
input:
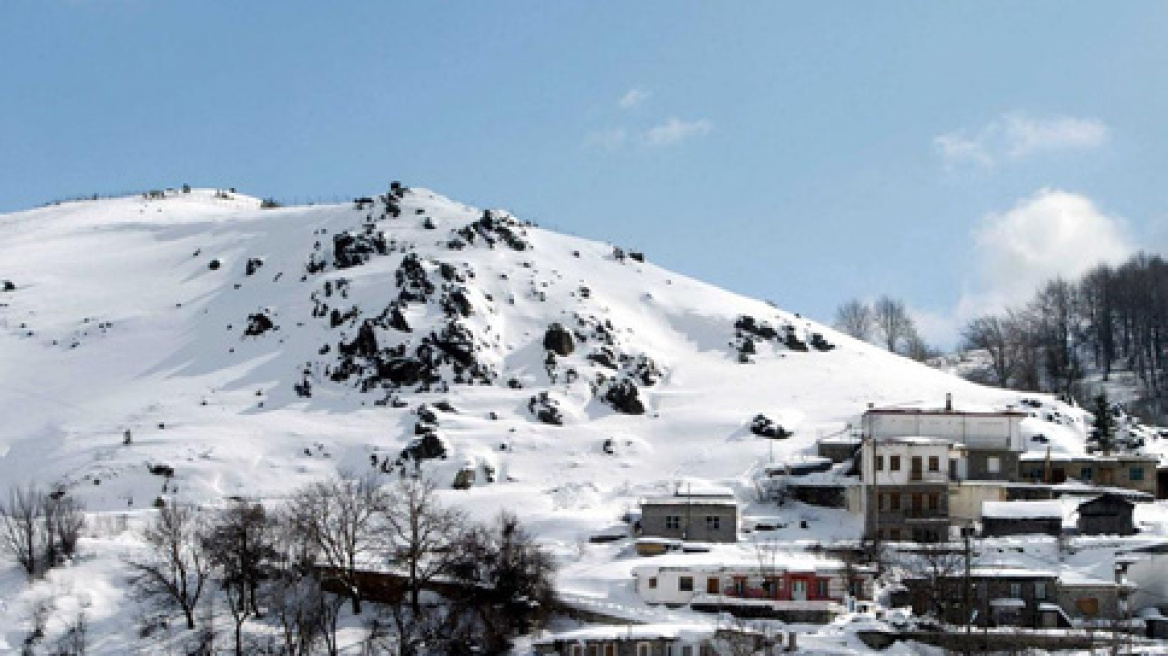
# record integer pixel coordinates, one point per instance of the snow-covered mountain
(197, 346)
(250, 350)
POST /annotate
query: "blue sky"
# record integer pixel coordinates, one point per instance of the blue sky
(951, 154)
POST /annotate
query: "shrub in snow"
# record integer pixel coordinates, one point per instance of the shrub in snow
(8, 286)
(214, 264)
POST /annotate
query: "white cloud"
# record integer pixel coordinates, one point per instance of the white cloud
(1016, 135)
(1025, 134)
(612, 139)
(1051, 234)
(675, 131)
(633, 97)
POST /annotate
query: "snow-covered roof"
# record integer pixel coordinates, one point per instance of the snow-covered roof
(688, 501)
(1022, 509)
(797, 562)
(914, 439)
(685, 632)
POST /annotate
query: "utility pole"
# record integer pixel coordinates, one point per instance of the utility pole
(965, 531)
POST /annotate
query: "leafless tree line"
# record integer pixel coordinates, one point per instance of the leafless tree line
(1112, 318)
(456, 586)
(40, 530)
(885, 321)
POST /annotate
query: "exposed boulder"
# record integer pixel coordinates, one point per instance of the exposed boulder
(7, 286)
(258, 324)
(621, 394)
(546, 409)
(352, 249)
(559, 340)
(764, 426)
(253, 265)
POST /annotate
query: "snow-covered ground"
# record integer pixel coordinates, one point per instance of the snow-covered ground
(130, 315)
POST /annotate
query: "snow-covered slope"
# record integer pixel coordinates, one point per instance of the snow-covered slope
(198, 346)
(134, 314)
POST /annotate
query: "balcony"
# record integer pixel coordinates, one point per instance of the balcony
(919, 476)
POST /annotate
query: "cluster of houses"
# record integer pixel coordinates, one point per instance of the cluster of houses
(926, 473)
(916, 476)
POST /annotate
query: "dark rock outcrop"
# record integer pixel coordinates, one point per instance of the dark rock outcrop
(558, 340)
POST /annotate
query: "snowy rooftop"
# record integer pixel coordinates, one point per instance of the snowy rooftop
(1022, 509)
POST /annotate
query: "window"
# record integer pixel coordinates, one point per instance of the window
(894, 463)
(934, 463)
(906, 501)
(879, 463)
(687, 650)
(576, 650)
(1136, 474)
(934, 501)
(594, 650)
(713, 522)
(1016, 590)
(610, 649)
(1086, 473)
(1040, 590)
(895, 501)
(886, 501)
(712, 586)
(993, 465)
(685, 584)
(916, 468)
(643, 649)
(653, 583)
(673, 522)
(822, 588)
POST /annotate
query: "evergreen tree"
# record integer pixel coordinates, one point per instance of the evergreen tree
(1103, 428)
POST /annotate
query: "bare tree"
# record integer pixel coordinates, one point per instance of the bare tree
(20, 528)
(419, 533)
(506, 581)
(937, 567)
(239, 546)
(339, 518)
(893, 323)
(991, 333)
(176, 570)
(854, 318)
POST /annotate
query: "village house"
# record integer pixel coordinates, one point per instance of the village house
(1006, 518)
(906, 485)
(694, 516)
(992, 441)
(1009, 596)
(1130, 471)
(1106, 514)
(791, 587)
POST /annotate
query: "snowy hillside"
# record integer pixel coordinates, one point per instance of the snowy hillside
(248, 351)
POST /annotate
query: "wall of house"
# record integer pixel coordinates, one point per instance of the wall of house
(912, 519)
(903, 475)
(691, 521)
(1071, 599)
(965, 500)
(975, 431)
(1002, 527)
(978, 465)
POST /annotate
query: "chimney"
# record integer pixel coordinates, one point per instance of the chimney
(948, 402)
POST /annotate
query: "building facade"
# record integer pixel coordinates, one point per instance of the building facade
(690, 518)
(906, 483)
